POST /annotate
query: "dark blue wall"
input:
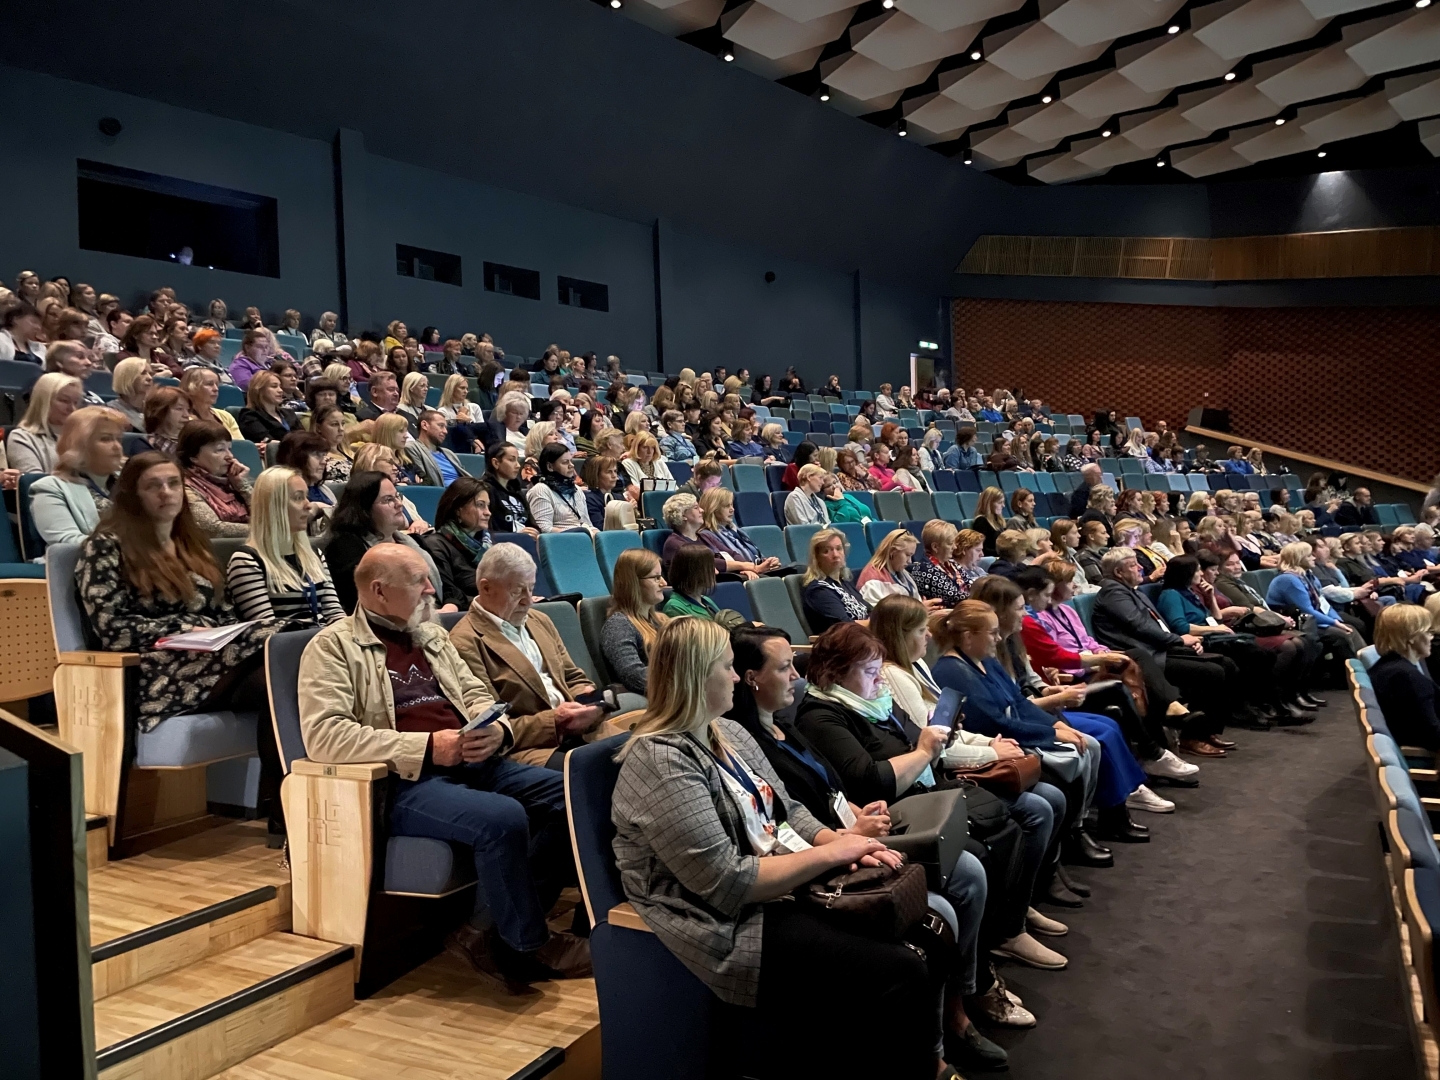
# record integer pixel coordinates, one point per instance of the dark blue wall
(20, 1033)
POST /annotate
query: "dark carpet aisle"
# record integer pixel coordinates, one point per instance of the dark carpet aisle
(1249, 940)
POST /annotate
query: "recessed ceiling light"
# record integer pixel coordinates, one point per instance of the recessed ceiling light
(967, 161)
(1172, 29)
(887, 4)
(1279, 120)
(824, 95)
(615, 4)
(1159, 164)
(728, 56)
(901, 132)
(1229, 76)
(975, 54)
(1046, 100)
(1321, 154)
(1105, 134)
(1422, 3)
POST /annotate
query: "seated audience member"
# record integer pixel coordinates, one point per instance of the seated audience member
(556, 503)
(1296, 591)
(644, 467)
(435, 463)
(392, 432)
(1358, 510)
(508, 422)
(1236, 461)
(1022, 503)
(1404, 686)
(509, 509)
(147, 573)
(384, 397)
(21, 338)
(73, 359)
(705, 476)
(66, 505)
(606, 509)
(948, 564)
(1250, 542)
(1001, 457)
(700, 874)
(725, 539)
(370, 513)
(1012, 550)
(413, 391)
(306, 454)
(265, 416)
(167, 410)
(1101, 508)
(449, 786)
(217, 487)
(207, 343)
(691, 575)
(804, 455)
(828, 596)
(742, 442)
(1357, 599)
(277, 574)
(1130, 532)
(881, 471)
(888, 571)
(1065, 543)
(253, 357)
(519, 656)
(963, 454)
(804, 506)
(686, 519)
(628, 635)
(989, 519)
(142, 342)
(674, 444)
(460, 539)
(908, 474)
(850, 473)
(1125, 620)
(30, 444)
(1361, 562)
(374, 457)
(201, 387)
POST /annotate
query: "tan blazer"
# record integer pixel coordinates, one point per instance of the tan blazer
(510, 677)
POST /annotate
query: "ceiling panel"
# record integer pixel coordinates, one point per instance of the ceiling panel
(1430, 136)
(1363, 117)
(761, 29)
(1415, 96)
(1006, 145)
(1038, 50)
(680, 17)
(943, 116)
(1326, 9)
(1413, 41)
(863, 78)
(1239, 104)
(1053, 121)
(1061, 168)
(805, 10)
(1159, 128)
(900, 42)
(1266, 141)
(1312, 75)
(1180, 59)
(1107, 153)
(985, 84)
(952, 14)
(1104, 94)
(1086, 22)
(1258, 25)
(1201, 161)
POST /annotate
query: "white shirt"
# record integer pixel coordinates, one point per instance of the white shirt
(521, 639)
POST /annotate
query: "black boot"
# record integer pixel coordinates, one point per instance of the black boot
(1080, 849)
(1115, 824)
(1079, 888)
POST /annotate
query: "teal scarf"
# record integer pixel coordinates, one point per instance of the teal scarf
(876, 711)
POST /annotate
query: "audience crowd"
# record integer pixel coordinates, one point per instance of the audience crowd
(1097, 654)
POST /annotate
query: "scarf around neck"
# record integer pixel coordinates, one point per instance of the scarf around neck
(564, 486)
(876, 711)
(218, 495)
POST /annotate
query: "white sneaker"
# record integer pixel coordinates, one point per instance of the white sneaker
(1142, 798)
(1169, 766)
(1027, 950)
(1043, 924)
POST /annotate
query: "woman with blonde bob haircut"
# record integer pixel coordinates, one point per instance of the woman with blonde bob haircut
(828, 596)
(30, 446)
(1404, 689)
(630, 629)
(277, 574)
(643, 463)
(699, 853)
(66, 506)
(412, 395)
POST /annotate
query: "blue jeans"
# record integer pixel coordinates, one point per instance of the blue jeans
(513, 815)
(1119, 773)
(965, 888)
(1036, 812)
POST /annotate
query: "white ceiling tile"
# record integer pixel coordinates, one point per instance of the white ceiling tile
(951, 14)
(780, 67)
(1258, 25)
(1107, 95)
(1239, 104)
(1198, 161)
(1038, 50)
(1363, 117)
(1106, 153)
(1008, 146)
(1415, 96)
(1413, 41)
(1086, 22)
(805, 10)
(761, 29)
(676, 16)
(1160, 128)
(940, 115)
(1061, 168)
(1430, 136)
(1057, 121)
(1314, 74)
(863, 78)
(1266, 141)
(1178, 60)
(985, 84)
(899, 41)
(1326, 9)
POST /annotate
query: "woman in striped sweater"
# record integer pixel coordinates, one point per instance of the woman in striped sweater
(277, 574)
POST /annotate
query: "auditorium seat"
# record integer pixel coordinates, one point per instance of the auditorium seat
(248, 454)
(770, 600)
(754, 508)
(773, 475)
(770, 539)
(944, 480)
(593, 612)
(866, 497)
(860, 548)
(652, 503)
(732, 595)
(569, 560)
(777, 504)
(920, 505)
(543, 585)
(947, 505)
(794, 585)
(797, 538)
(609, 545)
(891, 505)
(750, 478)
(1084, 605)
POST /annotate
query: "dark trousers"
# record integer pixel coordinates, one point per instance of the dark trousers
(1256, 666)
(1147, 742)
(1208, 683)
(513, 815)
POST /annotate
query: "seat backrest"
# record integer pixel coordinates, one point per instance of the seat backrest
(1259, 580)
(681, 471)
(474, 464)
(797, 538)
(1029, 481)
(750, 478)
(1084, 605)
(31, 544)
(860, 546)
(770, 539)
(773, 475)
(609, 545)
(654, 539)
(593, 613)
(569, 560)
(876, 531)
(66, 619)
(754, 507)
(652, 503)
(866, 497)
(732, 595)
(282, 683)
(777, 505)
(1009, 481)
(969, 503)
(947, 505)
(920, 505)
(794, 586)
(967, 480)
(944, 480)
(426, 499)
(567, 624)
(891, 505)
(771, 603)
(248, 454)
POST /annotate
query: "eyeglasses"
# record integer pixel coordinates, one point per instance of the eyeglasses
(390, 500)
(653, 577)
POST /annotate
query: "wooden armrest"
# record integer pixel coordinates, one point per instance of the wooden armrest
(1421, 774)
(1430, 804)
(357, 770)
(100, 659)
(625, 915)
(803, 649)
(1416, 752)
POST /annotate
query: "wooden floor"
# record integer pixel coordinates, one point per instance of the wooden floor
(180, 878)
(440, 1021)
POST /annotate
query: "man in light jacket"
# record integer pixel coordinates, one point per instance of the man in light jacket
(385, 684)
(436, 463)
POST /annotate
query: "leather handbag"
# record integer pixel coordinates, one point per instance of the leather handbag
(873, 901)
(930, 829)
(1261, 623)
(1008, 778)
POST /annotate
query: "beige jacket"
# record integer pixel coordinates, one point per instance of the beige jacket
(347, 709)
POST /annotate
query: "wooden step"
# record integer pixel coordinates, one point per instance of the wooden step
(197, 1021)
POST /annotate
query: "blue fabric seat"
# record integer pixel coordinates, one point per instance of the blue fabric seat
(773, 475)
(426, 499)
(1386, 750)
(1415, 831)
(1397, 779)
(920, 506)
(1084, 605)
(860, 549)
(609, 545)
(777, 504)
(754, 508)
(770, 539)
(654, 539)
(876, 531)
(770, 601)
(891, 505)
(750, 478)
(944, 480)
(947, 505)
(569, 559)
(866, 497)
(732, 595)
(797, 539)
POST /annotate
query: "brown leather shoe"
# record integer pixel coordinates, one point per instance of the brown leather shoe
(1200, 748)
(566, 955)
(1219, 743)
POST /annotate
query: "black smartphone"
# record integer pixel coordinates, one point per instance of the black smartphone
(604, 698)
(949, 709)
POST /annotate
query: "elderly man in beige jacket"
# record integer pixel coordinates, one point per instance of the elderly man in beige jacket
(385, 684)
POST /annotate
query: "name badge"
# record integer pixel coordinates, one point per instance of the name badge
(790, 840)
(1210, 621)
(841, 806)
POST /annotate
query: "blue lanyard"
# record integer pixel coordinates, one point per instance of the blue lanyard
(806, 758)
(743, 778)
(312, 597)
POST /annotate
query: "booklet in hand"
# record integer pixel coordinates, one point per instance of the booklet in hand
(206, 639)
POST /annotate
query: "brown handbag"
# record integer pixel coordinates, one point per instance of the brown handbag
(873, 901)
(1011, 777)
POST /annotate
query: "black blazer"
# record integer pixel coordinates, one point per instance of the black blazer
(1406, 695)
(258, 426)
(1079, 500)
(1126, 619)
(342, 554)
(457, 571)
(801, 781)
(1348, 514)
(857, 749)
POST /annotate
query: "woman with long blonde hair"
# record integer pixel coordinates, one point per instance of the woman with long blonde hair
(644, 465)
(634, 622)
(989, 519)
(277, 574)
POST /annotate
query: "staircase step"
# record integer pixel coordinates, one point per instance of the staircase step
(194, 1022)
(97, 841)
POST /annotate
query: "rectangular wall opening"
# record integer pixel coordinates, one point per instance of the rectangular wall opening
(586, 294)
(148, 216)
(512, 281)
(427, 265)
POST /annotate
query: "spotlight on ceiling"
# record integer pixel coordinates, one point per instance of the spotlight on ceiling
(901, 131)
(1320, 154)
(824, 95)
(1105, 134)
(1172, 29)
(975, 54)
(1279, 120)
(727, 56)
(1160, 164)
(1422, 3)
(615, 4)
(1046, 100)
(968, 159)
(887, 4)
(1229, 76)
